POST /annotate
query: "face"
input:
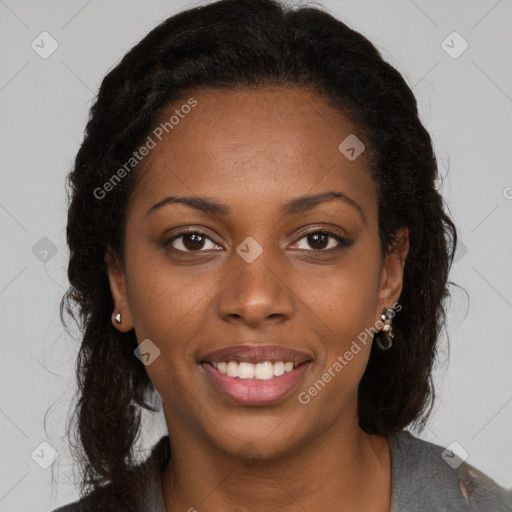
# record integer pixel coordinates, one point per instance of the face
(263, 266)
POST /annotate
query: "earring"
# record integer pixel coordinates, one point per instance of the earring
(117, 318)
(387, 330)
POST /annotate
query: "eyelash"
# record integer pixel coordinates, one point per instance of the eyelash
(343, 242)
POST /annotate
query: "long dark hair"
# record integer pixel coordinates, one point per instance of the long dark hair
(251, 43)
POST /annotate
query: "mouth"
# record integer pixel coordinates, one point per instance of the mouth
(255, 375)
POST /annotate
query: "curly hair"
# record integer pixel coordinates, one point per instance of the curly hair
(253, 44)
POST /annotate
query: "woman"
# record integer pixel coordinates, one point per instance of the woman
(256, 238)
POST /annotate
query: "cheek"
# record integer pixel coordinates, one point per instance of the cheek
(342, 318)
(340, 304)
(168, 309)
(165, 301)
(342, 297)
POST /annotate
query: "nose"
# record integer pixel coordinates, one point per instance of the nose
(255, 293)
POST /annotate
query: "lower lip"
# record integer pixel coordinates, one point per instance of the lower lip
(255, 391)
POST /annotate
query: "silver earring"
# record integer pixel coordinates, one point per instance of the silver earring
(117, 318)
(387, 330)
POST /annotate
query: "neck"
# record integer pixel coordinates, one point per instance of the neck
(342, 469)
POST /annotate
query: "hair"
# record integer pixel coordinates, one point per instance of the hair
(232, 44)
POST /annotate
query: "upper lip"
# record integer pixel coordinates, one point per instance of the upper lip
(257, 354)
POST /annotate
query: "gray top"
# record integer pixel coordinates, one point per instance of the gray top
(421, 481)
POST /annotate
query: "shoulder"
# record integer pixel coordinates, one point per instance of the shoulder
(482, 491)
(110, 498)
(428, 475)
(140, 490)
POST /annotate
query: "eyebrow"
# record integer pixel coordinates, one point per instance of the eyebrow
(298, 205)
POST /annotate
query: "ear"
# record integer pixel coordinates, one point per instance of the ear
(391, 279)
(117, 279)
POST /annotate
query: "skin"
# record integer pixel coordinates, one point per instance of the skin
(253, 150)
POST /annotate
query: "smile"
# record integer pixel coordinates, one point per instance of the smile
(262, 383)
(263, 371)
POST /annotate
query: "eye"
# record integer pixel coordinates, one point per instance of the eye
(190, 241)
(324, 240)
(320, 240)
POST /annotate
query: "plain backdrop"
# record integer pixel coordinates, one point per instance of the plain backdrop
(465, 100)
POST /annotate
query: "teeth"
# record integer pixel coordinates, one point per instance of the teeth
(262, 371)
(279, 368)
(246, 370)
(232, 369)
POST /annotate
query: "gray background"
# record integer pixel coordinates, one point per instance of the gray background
(465, 103)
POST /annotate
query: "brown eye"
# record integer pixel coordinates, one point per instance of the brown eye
(323, 241)
(191, 241)
(318, 240)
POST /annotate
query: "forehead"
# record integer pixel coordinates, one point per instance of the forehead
(252, 146)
